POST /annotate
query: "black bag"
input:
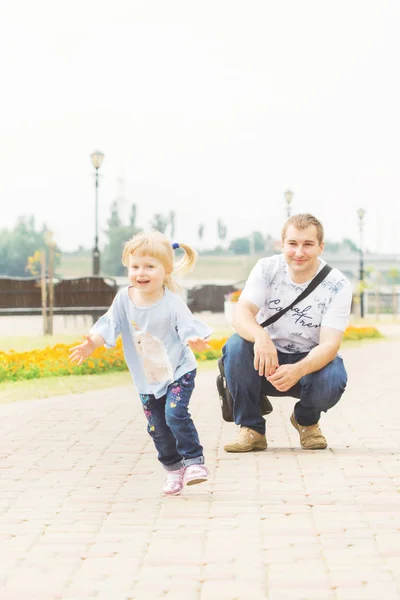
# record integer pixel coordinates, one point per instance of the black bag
(226, 399)
(266, 407)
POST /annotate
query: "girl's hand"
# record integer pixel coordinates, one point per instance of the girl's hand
(198, 344)
(83, 351)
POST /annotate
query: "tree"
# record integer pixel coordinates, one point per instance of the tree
(348, 244)
(222, 230)
(269, 245)
(132, 218)
(17, 244)
(258, 241)
(393, 276)
(172, 223)
(200, 231)
(114, 222)
(331, 246)
(117, 234)
(240, 245)
(160, 222)
(37, 266)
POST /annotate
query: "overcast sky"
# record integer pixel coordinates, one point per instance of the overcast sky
(212, 109)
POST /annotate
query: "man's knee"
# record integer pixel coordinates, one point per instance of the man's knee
(237, 348)
(327, 384)
(334, 376)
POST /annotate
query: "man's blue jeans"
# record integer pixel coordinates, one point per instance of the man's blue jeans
(316, 392)
(170, 425)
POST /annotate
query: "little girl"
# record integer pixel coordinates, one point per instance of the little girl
(159, 333)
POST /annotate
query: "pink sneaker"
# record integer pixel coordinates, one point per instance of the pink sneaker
(173, 485)
(195, 474)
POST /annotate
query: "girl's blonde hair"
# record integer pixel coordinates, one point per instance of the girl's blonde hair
(157, 245)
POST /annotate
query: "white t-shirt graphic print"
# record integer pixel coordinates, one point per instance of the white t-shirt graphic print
(270, 287)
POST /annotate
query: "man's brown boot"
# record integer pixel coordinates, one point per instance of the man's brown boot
(311, 437)
(246, 441)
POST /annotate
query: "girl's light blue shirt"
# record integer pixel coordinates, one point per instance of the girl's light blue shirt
(170, 320)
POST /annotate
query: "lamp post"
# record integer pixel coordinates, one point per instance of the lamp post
(97, 159)
(361, 213)
(288, 198)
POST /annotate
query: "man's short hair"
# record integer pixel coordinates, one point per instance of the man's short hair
(303, 221)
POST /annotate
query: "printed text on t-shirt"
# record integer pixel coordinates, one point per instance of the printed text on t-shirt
(299, 315)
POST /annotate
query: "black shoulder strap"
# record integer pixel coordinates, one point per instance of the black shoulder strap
(311, 287)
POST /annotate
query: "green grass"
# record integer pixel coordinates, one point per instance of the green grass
(229, 268)
(74, 266)
(54, 386)
(36, 342)
(357, 343)
(15, 391)
(372, 320)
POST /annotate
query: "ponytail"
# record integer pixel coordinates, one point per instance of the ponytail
(157, 244)
(187, 262)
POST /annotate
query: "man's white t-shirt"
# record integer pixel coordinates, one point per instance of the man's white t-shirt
(270, 287)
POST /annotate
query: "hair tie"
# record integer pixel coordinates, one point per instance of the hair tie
(175, 245)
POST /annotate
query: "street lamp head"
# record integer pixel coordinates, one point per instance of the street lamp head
(288, 196)
(361, 213)
(97, 159)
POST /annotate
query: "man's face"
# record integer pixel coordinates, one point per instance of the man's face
(301, 249)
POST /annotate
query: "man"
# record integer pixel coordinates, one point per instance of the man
(297, 355)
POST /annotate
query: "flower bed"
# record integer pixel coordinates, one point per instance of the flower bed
(233, 296)
(360, 333)
(54, 362)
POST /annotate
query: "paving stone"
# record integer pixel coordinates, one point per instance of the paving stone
(82, 515)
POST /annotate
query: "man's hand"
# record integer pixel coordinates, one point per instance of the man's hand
(198, 344)
(265, 355)
(285, 377)
(83, 351)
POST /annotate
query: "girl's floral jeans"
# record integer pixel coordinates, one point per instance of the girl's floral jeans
(170, 425)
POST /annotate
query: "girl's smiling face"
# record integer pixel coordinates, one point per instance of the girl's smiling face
(146, 274)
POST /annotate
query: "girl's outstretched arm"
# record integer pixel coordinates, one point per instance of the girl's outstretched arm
(198, 344)
(82, 351)
(190, 330)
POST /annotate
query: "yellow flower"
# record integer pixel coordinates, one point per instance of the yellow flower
(234, 296)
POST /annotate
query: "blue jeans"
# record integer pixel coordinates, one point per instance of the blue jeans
(316, 392)
(170, 425)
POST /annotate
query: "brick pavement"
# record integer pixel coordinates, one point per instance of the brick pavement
(82, 516)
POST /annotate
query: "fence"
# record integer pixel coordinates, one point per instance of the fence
(208, 297)
(211, 297)
(382, 303)
(80, 296)
(93, 296)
